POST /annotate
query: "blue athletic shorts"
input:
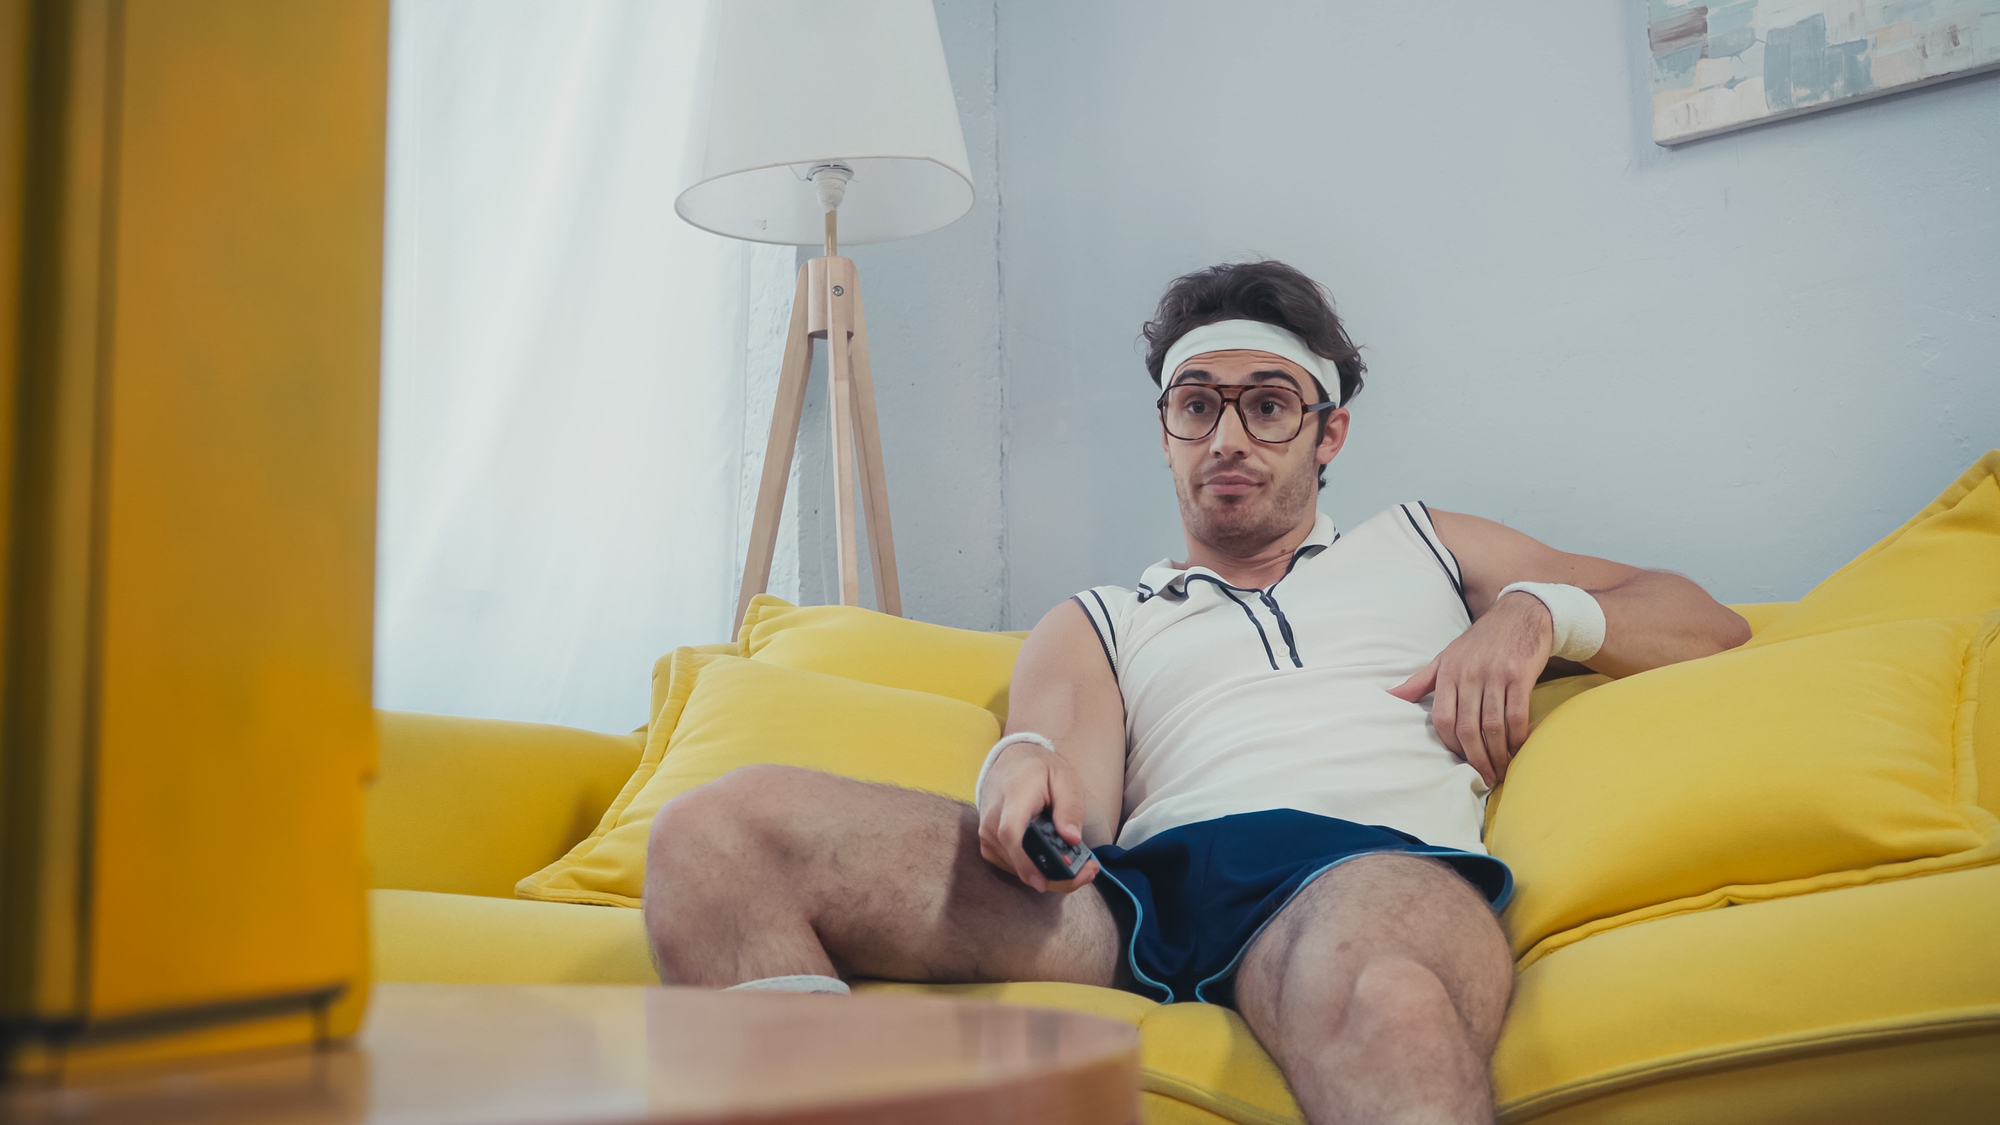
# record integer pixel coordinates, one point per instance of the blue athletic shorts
(1195, 897)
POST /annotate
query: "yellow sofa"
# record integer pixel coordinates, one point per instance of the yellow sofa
(1851, 997)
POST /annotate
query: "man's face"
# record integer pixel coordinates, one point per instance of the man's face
(1238, 494)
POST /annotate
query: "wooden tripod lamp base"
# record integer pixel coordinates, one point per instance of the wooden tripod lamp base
(827, 306)
(779, 177)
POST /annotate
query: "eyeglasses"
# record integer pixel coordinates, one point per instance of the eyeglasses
(1270, 413)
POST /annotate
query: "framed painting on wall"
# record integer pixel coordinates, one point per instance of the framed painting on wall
(1724, 66)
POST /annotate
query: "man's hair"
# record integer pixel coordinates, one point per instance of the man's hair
(1272, 292)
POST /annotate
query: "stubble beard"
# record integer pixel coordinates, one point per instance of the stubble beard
(1242, 526)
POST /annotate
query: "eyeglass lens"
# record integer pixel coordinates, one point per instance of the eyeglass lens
(1270, 413)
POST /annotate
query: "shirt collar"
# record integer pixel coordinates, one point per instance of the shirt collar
(1163, 578)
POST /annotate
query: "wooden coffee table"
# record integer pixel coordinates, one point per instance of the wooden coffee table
(432, 1054)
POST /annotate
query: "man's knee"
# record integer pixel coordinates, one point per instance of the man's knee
(743, 818)
(1389, 999)
(1396, 994)
(1378, 922)
(1443, 925)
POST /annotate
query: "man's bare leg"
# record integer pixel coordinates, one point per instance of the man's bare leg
(771, 871)
(1379, 991)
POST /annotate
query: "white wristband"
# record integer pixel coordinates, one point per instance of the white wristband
(993, 755)
(1579, 620)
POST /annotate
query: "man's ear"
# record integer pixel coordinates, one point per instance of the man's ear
(1333, 436)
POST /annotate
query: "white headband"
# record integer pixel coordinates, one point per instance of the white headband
(1250, 335)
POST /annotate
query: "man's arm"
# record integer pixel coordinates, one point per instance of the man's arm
(1482, 680)
(1062, 689)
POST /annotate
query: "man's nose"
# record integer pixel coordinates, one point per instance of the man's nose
(1229, 436)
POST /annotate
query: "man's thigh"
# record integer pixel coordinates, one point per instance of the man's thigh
(889, 880)
(1388, 908)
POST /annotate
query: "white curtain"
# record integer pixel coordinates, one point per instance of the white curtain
(567, 440)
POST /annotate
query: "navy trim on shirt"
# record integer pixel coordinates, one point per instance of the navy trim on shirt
(1108, 658)
(1284, 626)
(1229, 592)
(1451, 569)
(1177, 588)
(1108, 623)
(1455, 564)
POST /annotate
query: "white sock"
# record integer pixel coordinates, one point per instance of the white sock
(798, 982)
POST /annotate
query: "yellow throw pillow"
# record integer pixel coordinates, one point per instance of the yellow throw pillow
(1823, 761)
(663, 675)
(1551, 694)
(1945, 562)
(860, 644)
(720, 712)
(1986, 727)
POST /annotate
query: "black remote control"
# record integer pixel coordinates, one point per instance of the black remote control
(1056, 858)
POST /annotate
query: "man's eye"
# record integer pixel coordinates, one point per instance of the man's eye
(1196, 406)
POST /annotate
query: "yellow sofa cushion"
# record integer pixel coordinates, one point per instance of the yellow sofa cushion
(1861, 1004)
(470, 939)
(722, 712)
(1827, 760)
(1944, 562)
(860, 644)
(1198, 1062)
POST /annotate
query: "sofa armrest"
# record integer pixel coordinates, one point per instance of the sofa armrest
(470, 806)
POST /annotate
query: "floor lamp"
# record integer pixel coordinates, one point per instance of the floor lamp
(816, 122)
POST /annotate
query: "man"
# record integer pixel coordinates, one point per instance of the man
(1279, 823)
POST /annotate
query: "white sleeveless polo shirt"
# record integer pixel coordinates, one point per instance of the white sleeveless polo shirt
(1240, 700)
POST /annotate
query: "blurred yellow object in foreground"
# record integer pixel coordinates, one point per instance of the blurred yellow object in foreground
(190, 304)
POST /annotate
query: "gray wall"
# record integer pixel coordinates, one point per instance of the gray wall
(1744, 359)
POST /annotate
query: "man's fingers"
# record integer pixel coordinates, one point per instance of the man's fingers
(1024, 868)
(1066, 804)
(1419, 685)
(995, 849)
(1493, 728)
(1467, 726)
(1013, 826)
(1519, 695)
(1444, 718)
(1475, 751)
(1022, 794)
(989, 837)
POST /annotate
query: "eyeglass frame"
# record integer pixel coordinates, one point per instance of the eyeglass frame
(1236, 401)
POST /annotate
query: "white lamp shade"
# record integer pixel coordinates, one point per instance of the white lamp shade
(787, 84)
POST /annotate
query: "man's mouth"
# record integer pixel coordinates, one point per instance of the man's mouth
(1230, 484)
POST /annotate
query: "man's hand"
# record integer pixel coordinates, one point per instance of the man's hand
(1482, 681)
(1025, 780)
